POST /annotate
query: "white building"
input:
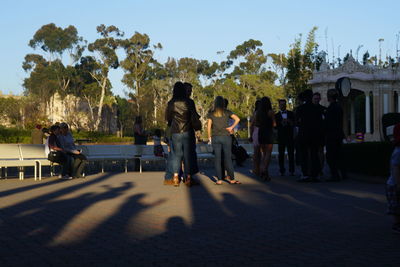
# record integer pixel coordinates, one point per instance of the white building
(374, 91)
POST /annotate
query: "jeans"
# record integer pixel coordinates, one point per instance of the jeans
(67, 165)
(223, 144)
(181, 145)
(78, 165)
(194, 168)
(168, 169)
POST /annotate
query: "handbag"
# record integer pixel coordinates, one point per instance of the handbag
(56, 156)
(195, 119)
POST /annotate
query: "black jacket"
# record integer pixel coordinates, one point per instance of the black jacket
(178, 115)
(334, 121)
(309, 118)
(285, 130)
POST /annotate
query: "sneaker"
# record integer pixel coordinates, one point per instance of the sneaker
(67, 177)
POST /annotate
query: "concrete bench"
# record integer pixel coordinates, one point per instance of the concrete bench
(146, 154)
(204, 151)
(103, 153)
(10, 156)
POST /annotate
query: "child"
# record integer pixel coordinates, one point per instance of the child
(158, 149)
(393, 183)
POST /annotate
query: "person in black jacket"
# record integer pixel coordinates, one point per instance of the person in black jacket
(285, 126)
(310, 122)
(334, 135)
(194, 168)
(321, 155)
(178, 114)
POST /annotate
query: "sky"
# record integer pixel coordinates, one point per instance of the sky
(200, 28)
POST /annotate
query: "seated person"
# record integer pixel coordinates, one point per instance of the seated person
(55, 153)
(158, 149)
(67, 143)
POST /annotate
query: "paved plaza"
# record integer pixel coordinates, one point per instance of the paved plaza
(132, 219)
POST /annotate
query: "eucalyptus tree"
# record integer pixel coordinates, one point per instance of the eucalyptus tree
(105, 58)
(54, 42)
(139, 56)
(48, 73)
(279, 64)
(300, 64)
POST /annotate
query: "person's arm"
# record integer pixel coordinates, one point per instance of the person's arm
(209, 124)
(53, 144)
(236, 122)
(272, 116)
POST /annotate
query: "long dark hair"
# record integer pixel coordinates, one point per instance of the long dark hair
(219, 106)
(263, 109)
(179, 91)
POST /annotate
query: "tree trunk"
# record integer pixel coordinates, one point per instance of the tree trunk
(100, 108)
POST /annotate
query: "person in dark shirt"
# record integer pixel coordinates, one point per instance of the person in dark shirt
(315, 100)
(334, 136)
(194, 168)
(219, 130)
(58, 154)
(310, 122)
(285, 126)
(178, 115)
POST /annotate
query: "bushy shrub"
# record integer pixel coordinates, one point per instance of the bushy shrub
(370, 158)
(14, 135)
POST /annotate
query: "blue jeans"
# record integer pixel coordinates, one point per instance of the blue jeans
(223, 144)
(181, 146)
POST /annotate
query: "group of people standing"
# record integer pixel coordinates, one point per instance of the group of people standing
(310, 130)
(183, 122)
(304, 134)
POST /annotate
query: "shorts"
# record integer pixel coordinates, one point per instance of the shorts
(393, 200)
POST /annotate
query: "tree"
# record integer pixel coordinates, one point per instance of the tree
(300, 64)
(48, 76)
(105, 59)
(250, 56)
(136, 64)
(279, 64)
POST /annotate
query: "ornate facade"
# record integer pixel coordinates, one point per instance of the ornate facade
(374, 92)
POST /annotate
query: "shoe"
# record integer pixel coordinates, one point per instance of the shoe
(67, 177)
(188, 181)
(231, 181)
(168, 182)
(292, 174)
(175, 181)
(282, 174)
(219, 182)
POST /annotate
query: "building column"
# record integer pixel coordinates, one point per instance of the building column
(367, 113)
(385, 103)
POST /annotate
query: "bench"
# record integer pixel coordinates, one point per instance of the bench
(103, 153)
(204, 151)
(10, 156)
(145, 153)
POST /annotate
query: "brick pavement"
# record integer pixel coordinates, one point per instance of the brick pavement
(118, 219)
